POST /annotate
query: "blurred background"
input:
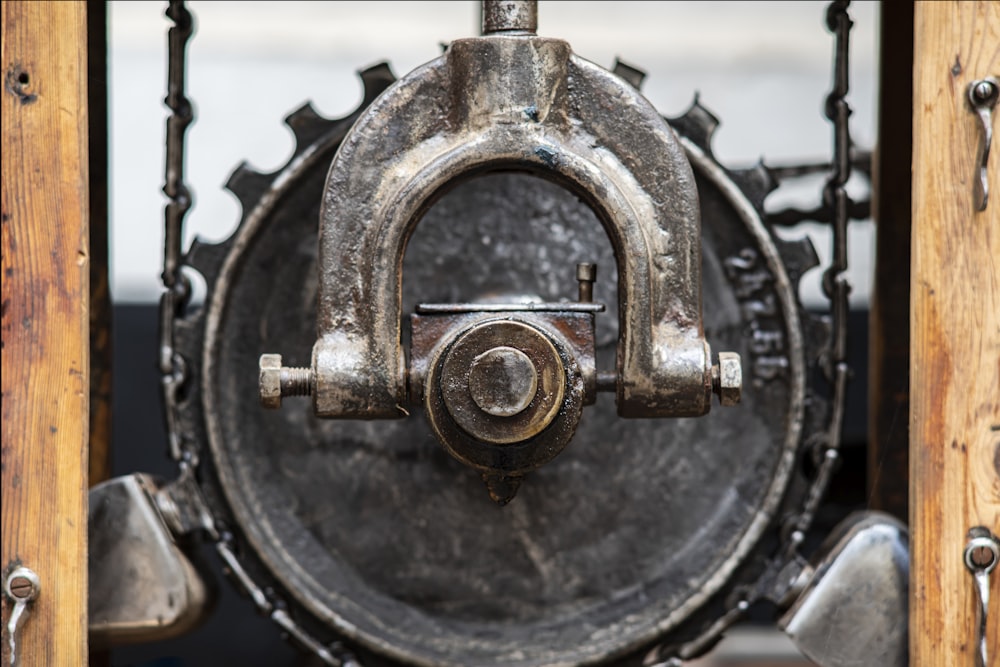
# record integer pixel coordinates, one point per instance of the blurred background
(764, 68)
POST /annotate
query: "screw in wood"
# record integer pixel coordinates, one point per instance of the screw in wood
(982, 550)
(984, 90)
(21, 585)
(21, 588)
(982, 557)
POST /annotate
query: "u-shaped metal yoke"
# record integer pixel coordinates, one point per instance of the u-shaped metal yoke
(510, 101)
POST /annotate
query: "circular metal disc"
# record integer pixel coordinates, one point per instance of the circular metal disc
(638, 530)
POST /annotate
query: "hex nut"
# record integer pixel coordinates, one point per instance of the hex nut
(270, 381)
(729, 383)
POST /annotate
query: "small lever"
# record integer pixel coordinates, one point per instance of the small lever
(22, 586)
(983, 96)
(981, 555)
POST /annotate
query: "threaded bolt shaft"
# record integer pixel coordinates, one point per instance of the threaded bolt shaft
(296, 381)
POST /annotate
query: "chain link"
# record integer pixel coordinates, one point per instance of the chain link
(173, 367)
(836, 288)
(825, 445)
(177, 288)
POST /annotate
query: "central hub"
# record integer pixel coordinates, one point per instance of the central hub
(502, 381)
(503, 384)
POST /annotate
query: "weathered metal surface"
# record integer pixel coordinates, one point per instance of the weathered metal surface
(375, 534)
(455, 385)
(510, 16)
(556, 346)
(502, 381)
(506, 102)
(142, 586)
(853, 610)
(727, 379)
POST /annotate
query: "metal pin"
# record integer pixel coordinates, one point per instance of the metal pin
(981, 555)
(518, 17)
(586, 275)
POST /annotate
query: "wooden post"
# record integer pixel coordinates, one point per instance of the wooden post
(955, 332)
(100, 289)
(44, 201)
(889, 334)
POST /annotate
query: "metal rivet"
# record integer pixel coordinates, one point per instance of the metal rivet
(586, 275)
(503, 381)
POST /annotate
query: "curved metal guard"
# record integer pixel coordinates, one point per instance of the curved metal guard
(506, 102)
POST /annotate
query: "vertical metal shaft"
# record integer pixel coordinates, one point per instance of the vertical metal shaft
(518, 17)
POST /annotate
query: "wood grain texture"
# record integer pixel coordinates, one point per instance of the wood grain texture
(44, 201)
(955, 333)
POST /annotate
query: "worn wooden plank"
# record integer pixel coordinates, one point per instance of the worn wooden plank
(889, 333)
(955, 332)
(100, 289)
(44, 201)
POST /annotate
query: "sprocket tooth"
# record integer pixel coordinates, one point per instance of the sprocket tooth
(307, 126)
(798, 256)
(817, 330)
(757, 182)
(375, 79)
(698, 124)
(206, 258)
(247, 184)
(632, 74)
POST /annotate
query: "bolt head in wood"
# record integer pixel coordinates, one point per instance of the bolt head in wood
(21, 588)
(22, 585)
(982, 557)
(984, 90)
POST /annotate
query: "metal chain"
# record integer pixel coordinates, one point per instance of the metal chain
(836, 288)
(174, 370)
(177, 288)
(173, 366)
(779, 578)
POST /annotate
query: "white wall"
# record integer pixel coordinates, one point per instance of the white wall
(762, 67)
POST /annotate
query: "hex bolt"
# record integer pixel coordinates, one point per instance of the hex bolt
(586, 275)
(503, 381)
(277, 381)
(727, 379)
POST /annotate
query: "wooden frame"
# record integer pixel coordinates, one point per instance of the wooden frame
(955, 325)
(45, 356)
(955, 333)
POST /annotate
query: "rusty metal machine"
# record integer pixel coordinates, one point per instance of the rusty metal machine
(523, 275)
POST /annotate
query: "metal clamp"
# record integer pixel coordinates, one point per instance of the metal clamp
(21, 586)
(981, 555)
(983, 96)
(510, 100)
